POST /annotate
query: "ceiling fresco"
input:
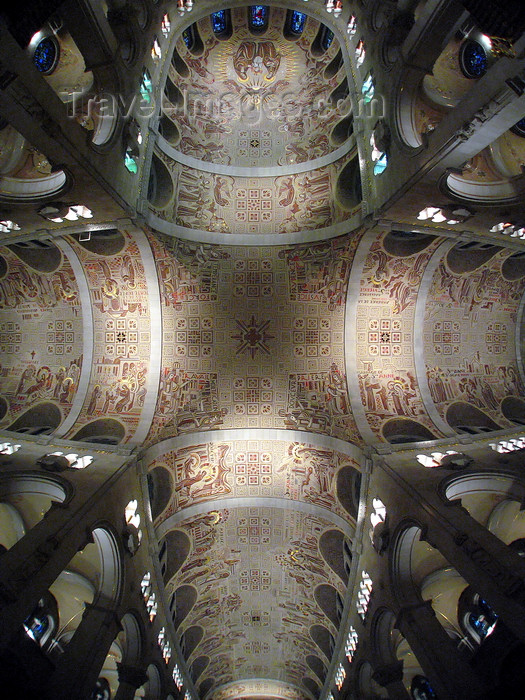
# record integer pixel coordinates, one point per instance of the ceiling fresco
(255, 569)
(41, 331)
(255, 205)
(121, 335)
(254, 379)
(253, 337)
(469, 337)
(385, 334)
(258, 690)
(256, 100)
(253, 468)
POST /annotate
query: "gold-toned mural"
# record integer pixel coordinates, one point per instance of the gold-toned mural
(240, 601)
(121, 336)
(255, 101)
(385, 336)
(41, 335)
(253, 337)
(469, 337)
(253, 468)
(226, 204)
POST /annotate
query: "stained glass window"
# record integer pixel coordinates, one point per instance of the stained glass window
(297, 21)
(473, 59)
(258, 17)
(36, 626)
(219, 21)
(46, 55)
(421, 689)
(146, 86)
(129, 162)
(166, 25)
(368, 89)
(360, 53)
(156, 51)
(483, 621)
(328, 37)
(380, 164)
(189, 37)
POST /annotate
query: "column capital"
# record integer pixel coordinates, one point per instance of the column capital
(388, 673)
(407, 613)
(132, 675)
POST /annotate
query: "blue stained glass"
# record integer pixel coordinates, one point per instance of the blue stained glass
(218, 21)
(328, 37)
(484, 621)
(297, 22)
(187, 35)
(368, 89)
(473, 59)
(258, 16)
(421, 689)
(380, 164)
(46, 55)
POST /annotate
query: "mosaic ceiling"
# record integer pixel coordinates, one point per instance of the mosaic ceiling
(255, 205)
(255, 375)
(327, 343)
(255, 100)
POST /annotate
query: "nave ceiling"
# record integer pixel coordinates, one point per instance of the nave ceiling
(338, 338)
(224, 351)
(252, 377)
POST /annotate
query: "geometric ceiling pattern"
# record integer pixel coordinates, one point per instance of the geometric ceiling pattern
(254, 375)
(253, 101)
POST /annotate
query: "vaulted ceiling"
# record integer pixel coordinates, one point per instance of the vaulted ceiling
(253, 375)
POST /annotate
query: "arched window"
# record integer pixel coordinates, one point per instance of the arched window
(420, 689)
(258, 16)
(165, 26)
(131, 160)
(477, 619)
(46, 55)
(379, 158)
(360, 52)
(518, 546)
(519, 128)
(368, 88)
(146, 86)
(221, 24)
(102, 690)
(327, 38)
(294, 25)
(473, 59)
(41, 623)
(188, 36)
(156, 51)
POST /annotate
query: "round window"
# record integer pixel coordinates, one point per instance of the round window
(473, 59)
(46, 55)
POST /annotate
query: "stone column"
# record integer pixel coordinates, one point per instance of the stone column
(495, 572)
(449, 674)
(79, 667)
(32, 564)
